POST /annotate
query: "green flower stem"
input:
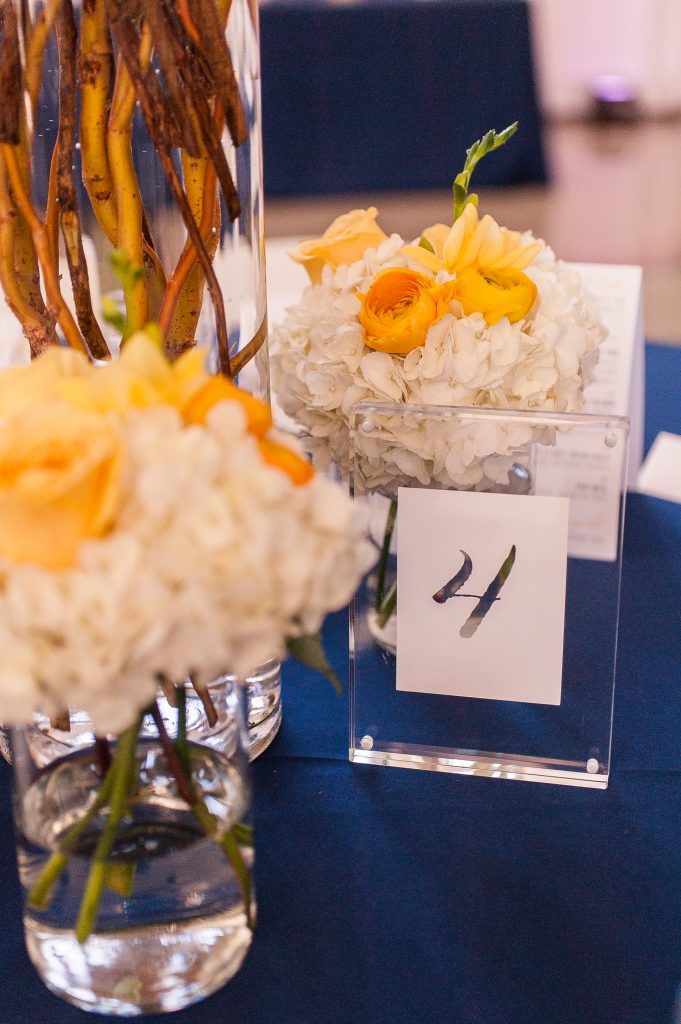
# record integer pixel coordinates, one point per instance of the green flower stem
(230, 845)
(385, 552)
(227, 840)
(124, 772)
(487, 144)
(243, 834)
(387, 608)
(40, 894)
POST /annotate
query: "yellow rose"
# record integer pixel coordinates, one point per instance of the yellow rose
(344, 241)
(495, 293)
(24, 386)
(399, 308)
(141, 376)
(59, 483)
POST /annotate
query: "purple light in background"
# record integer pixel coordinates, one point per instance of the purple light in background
(612, 89)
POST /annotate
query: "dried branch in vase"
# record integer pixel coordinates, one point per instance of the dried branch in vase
(170, 60)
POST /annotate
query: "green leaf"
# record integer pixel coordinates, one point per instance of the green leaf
(504, 136)
(425, 244)
(112, 313)
(127, 272)
(309, 650)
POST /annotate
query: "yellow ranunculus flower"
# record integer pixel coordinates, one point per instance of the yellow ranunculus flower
(59, 483)
(399, 308)
(473, 242)
(344, 241)
(495, 293)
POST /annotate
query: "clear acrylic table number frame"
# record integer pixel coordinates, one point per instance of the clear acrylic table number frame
(582, 458)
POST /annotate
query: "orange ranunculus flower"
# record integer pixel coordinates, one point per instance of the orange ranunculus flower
(294, 465)
(59, 482)
(399, 308)
(219, 389)
(344, 241)
(495, 293)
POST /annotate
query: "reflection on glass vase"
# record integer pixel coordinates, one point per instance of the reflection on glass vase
(173, 918)
(209, 721)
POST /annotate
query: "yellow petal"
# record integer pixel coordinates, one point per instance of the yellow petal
(518, 259)
(429, 260)
(492, 244)
(295, 466)
(190, 365)
(437, 236)
(219, 389)
(462, 228)
(142, 358)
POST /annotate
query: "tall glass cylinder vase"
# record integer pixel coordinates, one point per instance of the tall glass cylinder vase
(131, 192)
(173, 921)
(159, 113)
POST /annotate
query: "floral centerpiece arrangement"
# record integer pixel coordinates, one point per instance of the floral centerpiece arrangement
(469, 314)
(153, 525)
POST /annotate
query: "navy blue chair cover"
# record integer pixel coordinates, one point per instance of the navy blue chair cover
(388, 94)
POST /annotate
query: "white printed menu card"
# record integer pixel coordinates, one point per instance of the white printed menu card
(580, 464)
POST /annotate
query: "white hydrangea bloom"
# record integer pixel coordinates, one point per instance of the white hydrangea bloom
(216, 558)
(321, 369)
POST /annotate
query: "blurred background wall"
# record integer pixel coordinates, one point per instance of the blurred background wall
(373, 102)
(577, 41)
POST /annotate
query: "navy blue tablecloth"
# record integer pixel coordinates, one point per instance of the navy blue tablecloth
(400, 897)
(388, 94)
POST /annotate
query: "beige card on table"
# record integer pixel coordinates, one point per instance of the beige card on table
(481, 594)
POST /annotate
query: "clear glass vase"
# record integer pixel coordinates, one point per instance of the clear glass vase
(49, 740)
(120, 193)
(175, 918)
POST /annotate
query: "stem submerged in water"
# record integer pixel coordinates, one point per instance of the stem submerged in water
(387, 607)
(228, 839)
(39, 896)
(117, 790)
(123, 769)
(385, 552)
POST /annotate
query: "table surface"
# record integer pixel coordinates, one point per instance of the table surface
(399, 897)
